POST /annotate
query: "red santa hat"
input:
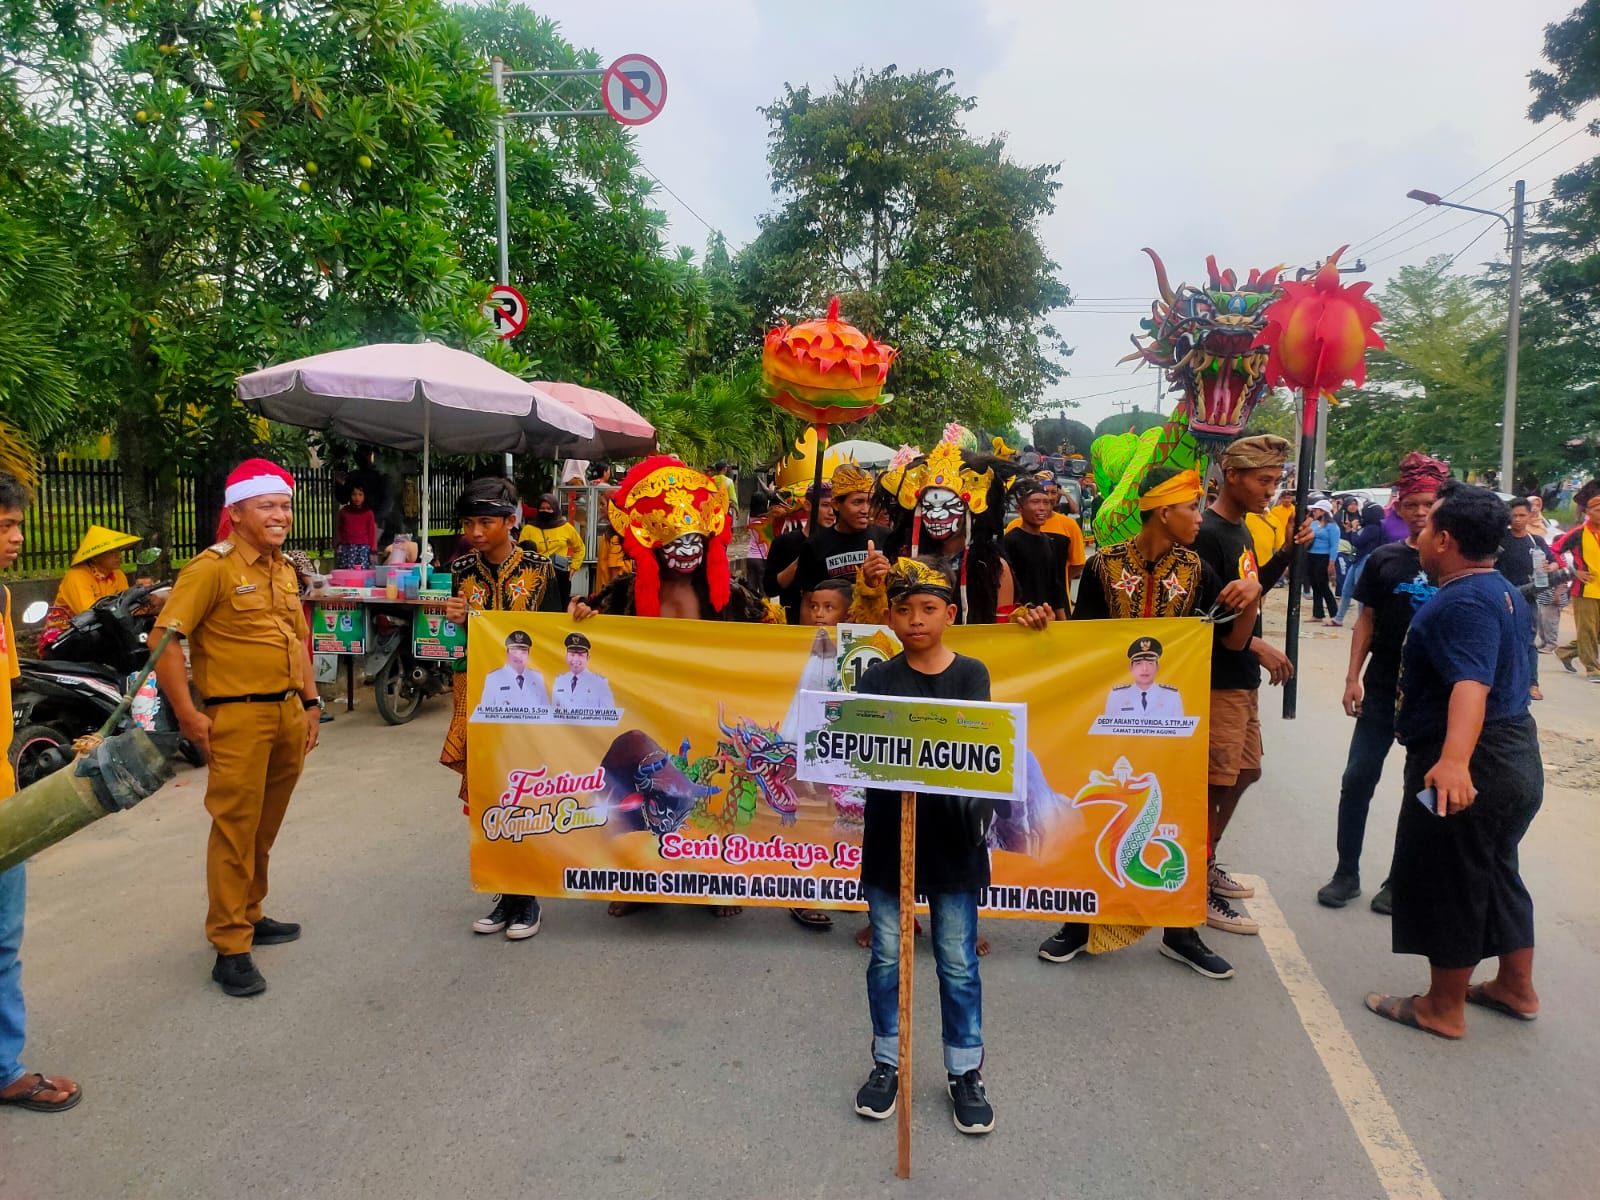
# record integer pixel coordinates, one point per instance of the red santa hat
(257, 477)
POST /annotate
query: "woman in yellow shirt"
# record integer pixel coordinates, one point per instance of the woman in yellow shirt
(95, 573)
(557, 539)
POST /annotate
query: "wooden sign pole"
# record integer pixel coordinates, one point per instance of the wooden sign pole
(908, 947)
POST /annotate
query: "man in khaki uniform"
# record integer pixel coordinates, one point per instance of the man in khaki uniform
(238, 605)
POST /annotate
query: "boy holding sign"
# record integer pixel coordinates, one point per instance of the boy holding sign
(952, 864)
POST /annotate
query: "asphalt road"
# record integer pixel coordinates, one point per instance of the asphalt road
(397, 1055)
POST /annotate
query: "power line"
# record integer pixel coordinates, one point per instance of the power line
(1365, 243)
(1473, 220)
(681, 201)
(1138, 387)
(1519, 166)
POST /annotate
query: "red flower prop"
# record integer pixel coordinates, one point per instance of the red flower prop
(826, 372)
(1318, 334)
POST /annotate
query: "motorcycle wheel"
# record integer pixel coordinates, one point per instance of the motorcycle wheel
(29, 749)
(398, 698)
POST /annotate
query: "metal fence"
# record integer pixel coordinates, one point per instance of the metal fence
(74, 494)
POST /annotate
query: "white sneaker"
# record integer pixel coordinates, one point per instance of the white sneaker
(1222, 915)
(494, 920)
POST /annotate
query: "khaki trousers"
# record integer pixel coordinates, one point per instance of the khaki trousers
(1586, 646)
(257, 751)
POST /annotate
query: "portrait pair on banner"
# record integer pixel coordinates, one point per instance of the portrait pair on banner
(682, 787)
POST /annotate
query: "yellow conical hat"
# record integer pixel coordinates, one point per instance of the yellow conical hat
(98, 540)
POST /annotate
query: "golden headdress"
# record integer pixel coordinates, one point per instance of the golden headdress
(659, 501)
(943, 467)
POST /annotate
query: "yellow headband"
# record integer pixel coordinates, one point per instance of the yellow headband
(849, 479)
(1180, 489)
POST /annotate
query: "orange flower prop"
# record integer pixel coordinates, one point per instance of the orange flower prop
(1318, 334)
(826, 372)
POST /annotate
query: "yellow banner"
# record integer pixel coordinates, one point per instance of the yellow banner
(654, 760)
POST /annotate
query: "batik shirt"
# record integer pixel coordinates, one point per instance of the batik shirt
(517, 584)
(1119, 584)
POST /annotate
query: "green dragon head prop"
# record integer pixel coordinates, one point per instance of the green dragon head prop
(1208, 341)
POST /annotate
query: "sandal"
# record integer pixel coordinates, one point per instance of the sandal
(812, 918)
(724, 911)
(1402, 1010)
(623, 908)
(30, 1097)
(1479, 995)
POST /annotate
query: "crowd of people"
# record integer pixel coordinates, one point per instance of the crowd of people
(1443, 660)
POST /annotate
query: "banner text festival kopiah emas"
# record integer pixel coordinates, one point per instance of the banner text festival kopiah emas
(660, 766)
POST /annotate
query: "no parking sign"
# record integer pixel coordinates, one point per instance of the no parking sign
(507, 309)
(634, 88)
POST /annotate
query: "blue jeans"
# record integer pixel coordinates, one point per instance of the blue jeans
(13, 890)
(1348, 590)
(954, 917)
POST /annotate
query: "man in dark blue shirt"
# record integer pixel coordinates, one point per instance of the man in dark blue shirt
(1473, 776)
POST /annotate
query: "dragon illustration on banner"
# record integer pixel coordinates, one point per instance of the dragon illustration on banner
(757, 764)
(1209, 342)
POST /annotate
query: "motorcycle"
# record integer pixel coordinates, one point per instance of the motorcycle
(82, 677)
(400, 680)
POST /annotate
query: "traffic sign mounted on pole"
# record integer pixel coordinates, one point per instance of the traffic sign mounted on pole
(634, 88)
(507, 309)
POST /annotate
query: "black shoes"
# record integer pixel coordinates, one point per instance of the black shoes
(523, 921)
(496, 918)
(272, 933)
(1339, 891)
(973, 1112)
(876, 1099)
(237, 975)
(1066, 943)
(1383, 902)
(1185, 946)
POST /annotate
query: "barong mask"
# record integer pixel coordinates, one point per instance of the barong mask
(684, 555)
(940, 489)
(663, 505)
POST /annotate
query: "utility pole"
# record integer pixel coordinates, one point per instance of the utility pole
(1508, 427)
(1514, 231)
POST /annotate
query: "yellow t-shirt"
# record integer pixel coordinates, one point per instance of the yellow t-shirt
(1591, 562)
(1265, 532)
(10, 668)
(82, 585)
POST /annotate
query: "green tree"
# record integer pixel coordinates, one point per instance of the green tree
(928, 234)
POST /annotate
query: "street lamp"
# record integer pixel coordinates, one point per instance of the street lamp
(1513, 223)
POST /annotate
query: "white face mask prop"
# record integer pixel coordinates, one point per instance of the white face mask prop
(684, 555)
(942, 511)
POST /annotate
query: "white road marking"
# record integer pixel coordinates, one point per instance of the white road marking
(1400, 1168)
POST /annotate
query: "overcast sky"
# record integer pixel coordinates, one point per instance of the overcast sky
(1261, 134)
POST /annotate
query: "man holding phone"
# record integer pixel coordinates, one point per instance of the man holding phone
(1463, 719)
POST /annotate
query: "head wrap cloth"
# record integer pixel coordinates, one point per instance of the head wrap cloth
(910, 576)
(1420, 473)
(1181, 488)
(659, 501)
(1256, 452)
(847, 480)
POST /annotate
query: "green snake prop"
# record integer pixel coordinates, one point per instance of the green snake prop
(1207, 340)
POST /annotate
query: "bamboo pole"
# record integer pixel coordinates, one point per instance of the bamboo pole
(908, 947)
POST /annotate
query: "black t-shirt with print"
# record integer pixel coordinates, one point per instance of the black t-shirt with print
(833, 554)
(1393, 586)
(1516, 558)
(947, 861)
(1229, 550)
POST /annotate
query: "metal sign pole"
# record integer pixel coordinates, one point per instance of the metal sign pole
(497, 72)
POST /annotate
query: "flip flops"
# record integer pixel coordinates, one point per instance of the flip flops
(29, 1097)
(1402, 1010)
(811, 918)
(1477, 994)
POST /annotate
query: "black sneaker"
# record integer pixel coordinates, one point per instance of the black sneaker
(876, 1099)
(524, 922)
(1383, 902)
(974, 1113)
(1339, 891)
(273, 933)
(1066, 943)
(1185, 946)
(238, 975)
(497, 918)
